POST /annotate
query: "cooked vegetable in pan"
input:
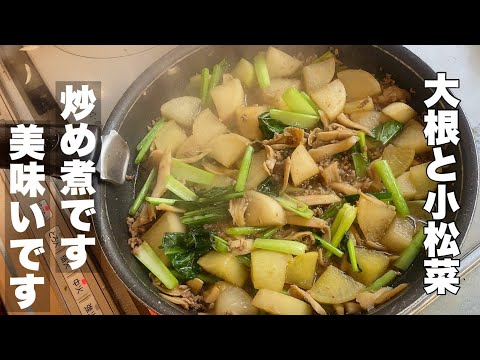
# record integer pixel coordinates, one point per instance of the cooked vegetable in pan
(282, 185)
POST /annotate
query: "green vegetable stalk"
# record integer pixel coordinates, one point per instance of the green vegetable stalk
(352, 255)
(294, 119)
(244, 169)
(346, 221)
(410, 253)
(269, 233)
(220, 244)
(216, 77)
(215, 193)
(329, 247)
(310, 102)
(186, 172)
(223, 198)
(246, 230)
(284, 246)
(179, 189)
(205, 210)
(145, 144)
(145, 254)
(143, 192)
(205, 216)
(261, 70)
(362, 143)
(295, 206)
(151, 134)
(204, 86)
(383, 169)
(211, 205)
(158, 201)
(213, 196)
(297, 103)
(338, 218)
(385, 280)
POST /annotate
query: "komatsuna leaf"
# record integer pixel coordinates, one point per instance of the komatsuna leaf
(385, 132)
(184, 249)
(269, 126)
(269, 187)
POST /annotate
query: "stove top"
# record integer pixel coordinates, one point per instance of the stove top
(115, 66)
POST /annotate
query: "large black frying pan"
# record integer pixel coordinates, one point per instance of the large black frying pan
(141, 103)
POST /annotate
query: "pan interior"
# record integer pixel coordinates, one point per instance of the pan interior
(167, 79)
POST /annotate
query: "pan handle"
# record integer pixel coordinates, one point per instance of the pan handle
(54, 157)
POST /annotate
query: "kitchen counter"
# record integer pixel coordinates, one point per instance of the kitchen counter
(106, 63)
(460, 62)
